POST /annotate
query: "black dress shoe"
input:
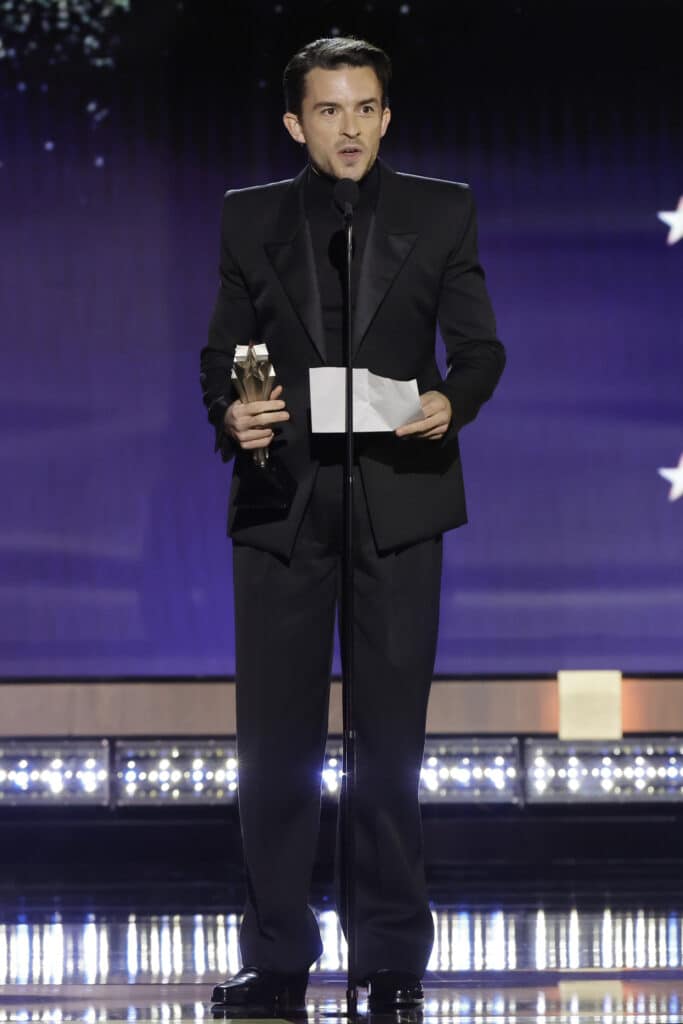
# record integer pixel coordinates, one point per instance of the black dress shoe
(389, 991)
(255, 992)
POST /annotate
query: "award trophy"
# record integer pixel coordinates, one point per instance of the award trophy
(265, 484)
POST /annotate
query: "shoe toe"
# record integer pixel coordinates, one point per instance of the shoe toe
(394, 990)
(260, 993)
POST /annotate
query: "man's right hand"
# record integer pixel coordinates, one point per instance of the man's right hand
(249, 423)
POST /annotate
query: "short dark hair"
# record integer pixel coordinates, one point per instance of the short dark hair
(333, 53)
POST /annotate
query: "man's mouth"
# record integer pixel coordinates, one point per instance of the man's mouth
(350, 150)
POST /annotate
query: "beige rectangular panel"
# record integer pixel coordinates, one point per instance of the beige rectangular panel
(117, 709)
(592, 993)
(653, 705)
(590, 705)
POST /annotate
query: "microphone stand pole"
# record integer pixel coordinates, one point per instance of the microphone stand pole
(347, 647)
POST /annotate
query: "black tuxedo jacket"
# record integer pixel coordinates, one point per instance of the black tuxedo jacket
(419, 268)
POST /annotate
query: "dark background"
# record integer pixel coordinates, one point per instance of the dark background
(120, 129)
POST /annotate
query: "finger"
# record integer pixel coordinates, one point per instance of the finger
(277, 391)
(253, 435)
(433, 409)
(264, 419)
(255, 408)
(433, 435)
(420, 426)
(261, 443)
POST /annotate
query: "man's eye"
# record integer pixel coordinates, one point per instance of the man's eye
(328, 110)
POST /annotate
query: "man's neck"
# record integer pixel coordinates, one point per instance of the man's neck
(324, 176)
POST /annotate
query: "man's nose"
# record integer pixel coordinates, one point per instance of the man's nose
(348, 125)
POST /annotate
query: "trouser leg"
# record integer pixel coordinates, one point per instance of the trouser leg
(284, 623)
(284, 619)
(396, 599)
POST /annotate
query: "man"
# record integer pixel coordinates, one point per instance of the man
(415, 263)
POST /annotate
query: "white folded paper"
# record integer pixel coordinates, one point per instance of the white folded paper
(379, 403)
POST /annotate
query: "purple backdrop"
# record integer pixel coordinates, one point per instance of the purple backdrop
(115, 561)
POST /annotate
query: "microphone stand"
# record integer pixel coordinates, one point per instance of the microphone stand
(346, 195)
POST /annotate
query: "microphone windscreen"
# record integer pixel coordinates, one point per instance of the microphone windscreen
(346, 193)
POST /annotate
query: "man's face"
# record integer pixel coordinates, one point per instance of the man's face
(342, 120)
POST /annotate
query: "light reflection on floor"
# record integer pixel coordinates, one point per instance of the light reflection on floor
(155, 948)
(632, 1003)
(508, 965)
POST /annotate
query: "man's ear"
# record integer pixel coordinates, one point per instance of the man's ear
(386, 118)
(293, 126)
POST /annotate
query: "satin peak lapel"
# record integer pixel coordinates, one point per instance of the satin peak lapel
(291, 253)
(385, 253)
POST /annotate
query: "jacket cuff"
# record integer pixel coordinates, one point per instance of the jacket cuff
(223, 443)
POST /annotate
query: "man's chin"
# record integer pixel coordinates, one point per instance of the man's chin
(355, 170)
(336, 169)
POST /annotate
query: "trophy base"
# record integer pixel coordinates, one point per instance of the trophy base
(267, 489)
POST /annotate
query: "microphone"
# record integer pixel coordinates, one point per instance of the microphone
(346, 195)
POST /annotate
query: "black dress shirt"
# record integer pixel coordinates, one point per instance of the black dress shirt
(329, 246)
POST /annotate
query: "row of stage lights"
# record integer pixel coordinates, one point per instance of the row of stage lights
(454, 771)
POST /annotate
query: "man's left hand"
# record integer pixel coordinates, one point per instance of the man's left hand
(437, 412)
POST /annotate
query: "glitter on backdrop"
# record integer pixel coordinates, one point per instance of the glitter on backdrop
(34, 32)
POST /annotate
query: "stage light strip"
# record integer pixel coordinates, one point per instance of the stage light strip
(455, 770)
(205, 772)
(470, 771)
(647, 769)
(49, 773)
(175, 772)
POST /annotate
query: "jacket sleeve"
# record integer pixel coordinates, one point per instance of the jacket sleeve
(233, 322)
(474, 354)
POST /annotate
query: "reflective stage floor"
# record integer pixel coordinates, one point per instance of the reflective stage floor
(541, 959)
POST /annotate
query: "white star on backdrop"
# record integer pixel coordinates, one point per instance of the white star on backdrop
(674, 221)
(674, 475)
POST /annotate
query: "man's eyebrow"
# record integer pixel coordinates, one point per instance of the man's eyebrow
(332, 103)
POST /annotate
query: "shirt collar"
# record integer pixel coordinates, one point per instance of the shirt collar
(320, 188)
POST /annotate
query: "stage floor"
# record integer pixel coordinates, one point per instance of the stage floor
(547, 959)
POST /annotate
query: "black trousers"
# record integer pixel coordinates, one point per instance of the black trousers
(284, 618)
